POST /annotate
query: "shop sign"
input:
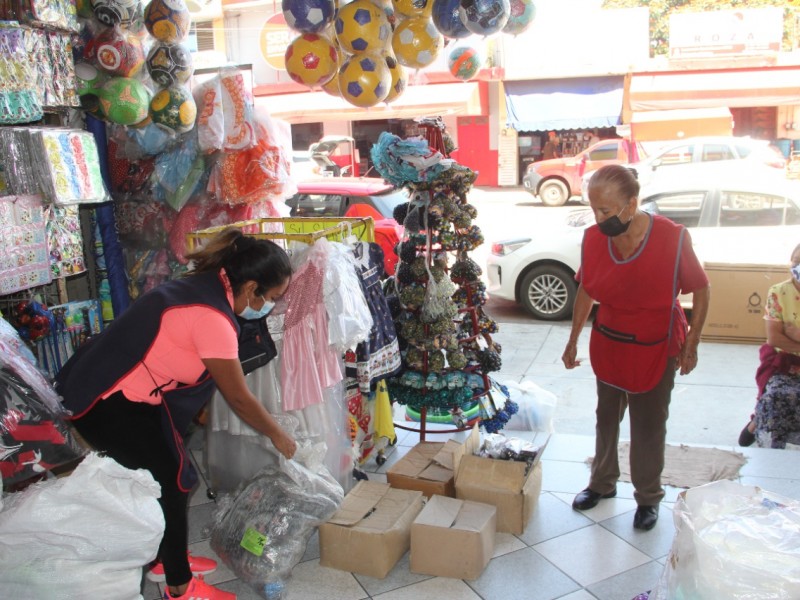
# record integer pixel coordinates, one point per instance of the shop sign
(274, 38)
(752, 31)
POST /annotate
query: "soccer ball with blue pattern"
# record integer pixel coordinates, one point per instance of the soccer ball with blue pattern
(365, 79)
(361, 26)
(308, 16)
(416, 42)
(484, 17)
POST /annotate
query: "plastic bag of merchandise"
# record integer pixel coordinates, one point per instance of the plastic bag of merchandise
(536, 407)
(735, 542)
(82, 536)
(261, 530)
(34, 437)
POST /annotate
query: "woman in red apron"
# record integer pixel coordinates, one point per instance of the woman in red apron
(634, 265)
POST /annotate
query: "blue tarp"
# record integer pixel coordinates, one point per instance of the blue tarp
(581, 103)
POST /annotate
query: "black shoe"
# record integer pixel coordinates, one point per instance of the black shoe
(746, 438)
(588, 499)
(645, 518)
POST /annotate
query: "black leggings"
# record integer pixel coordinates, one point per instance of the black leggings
(130, 433)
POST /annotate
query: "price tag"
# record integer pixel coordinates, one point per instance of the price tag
(253, 541)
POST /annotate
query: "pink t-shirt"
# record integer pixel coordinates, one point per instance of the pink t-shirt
(187, 335)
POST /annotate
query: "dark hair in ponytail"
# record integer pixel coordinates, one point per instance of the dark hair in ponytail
(244, 258)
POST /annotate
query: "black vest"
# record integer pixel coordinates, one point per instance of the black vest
(100, 363)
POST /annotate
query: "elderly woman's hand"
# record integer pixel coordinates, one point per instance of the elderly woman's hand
(569, 358)
(687, 360)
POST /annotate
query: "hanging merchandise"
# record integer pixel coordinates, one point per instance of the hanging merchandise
(308, 16)
(446, 336)
(25, 262)
(65, 241)
(19, 101)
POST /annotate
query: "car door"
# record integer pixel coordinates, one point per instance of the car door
(674, 163)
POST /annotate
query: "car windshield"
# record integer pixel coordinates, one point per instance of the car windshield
(386, 203)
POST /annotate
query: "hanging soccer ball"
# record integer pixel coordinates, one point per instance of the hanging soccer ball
(399, 78)
(361, 26)
(308, 16)
(114, 12)
(416, 43)
(311, 59)
(173, 108)
(484, 17)
(119, 52)
(364, 79)
(521, 17)
(169, 64)
(168, 20)
(413, 8)
(123, 100)
(464, 62)
(447, 19)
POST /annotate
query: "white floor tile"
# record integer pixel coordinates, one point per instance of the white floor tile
(505, 543)
(578, 554)
(432, 589)
(310, 581)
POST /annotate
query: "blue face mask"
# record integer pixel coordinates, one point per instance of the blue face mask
(796, 272)
(252, 314)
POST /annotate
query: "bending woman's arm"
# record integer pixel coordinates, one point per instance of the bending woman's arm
(580, 313)
(230, 380)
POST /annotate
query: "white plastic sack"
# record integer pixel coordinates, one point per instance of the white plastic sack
(735, 542)
(536, 407)
(84, 536)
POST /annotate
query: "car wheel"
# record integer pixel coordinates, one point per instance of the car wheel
(548, 293)
(553, 192)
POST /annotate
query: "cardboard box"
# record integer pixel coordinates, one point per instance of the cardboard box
(430, 467)
(371, 531)
(508, 485)
(453, 538)
(738, 295)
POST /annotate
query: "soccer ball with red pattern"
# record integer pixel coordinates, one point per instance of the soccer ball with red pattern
(311, 59)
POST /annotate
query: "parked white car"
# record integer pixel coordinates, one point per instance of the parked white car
(753, 221)
(700, 157)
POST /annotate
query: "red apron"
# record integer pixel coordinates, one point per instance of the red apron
(637, 296)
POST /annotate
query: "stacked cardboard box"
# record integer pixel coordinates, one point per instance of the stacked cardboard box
(371, 531)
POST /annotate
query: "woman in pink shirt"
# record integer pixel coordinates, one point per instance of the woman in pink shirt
(134, 389)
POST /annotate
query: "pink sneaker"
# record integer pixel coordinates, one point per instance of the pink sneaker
(200, 590)
(199, 565)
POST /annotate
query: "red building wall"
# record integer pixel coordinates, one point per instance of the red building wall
(473, 149)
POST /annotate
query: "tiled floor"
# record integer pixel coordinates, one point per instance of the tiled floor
(562, 554)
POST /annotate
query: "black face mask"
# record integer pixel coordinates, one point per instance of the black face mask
(613, 226)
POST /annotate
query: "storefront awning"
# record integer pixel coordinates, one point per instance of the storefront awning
(581, 103)
(416, 101)
(704, 89)
(676, 124)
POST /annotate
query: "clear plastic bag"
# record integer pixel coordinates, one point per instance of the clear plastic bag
(732, 541)
(261, 531)
(536, 407)
(349, 318)
(33, 435)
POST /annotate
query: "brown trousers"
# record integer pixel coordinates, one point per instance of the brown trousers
(648, 418)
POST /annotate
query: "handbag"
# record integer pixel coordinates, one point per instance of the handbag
(256, 347)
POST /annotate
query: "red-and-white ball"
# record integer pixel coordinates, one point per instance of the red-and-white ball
(311, 59)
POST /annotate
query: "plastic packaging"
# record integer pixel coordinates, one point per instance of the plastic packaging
(33, 435)
(87, 535)
(349, 318)
(536, 407)
(261, 531)
(735, 542)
